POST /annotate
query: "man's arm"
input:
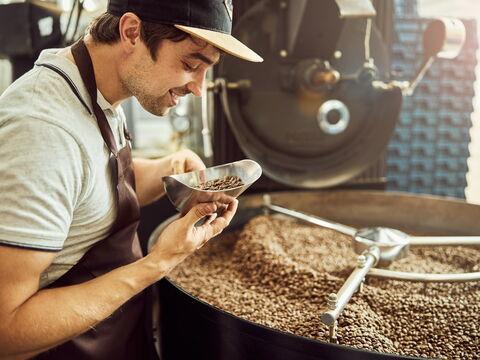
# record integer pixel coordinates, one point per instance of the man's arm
(149, 173)
(33, 321)
(148, 178)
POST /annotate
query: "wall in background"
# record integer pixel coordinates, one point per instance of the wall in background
(430, 149)
(465, 9)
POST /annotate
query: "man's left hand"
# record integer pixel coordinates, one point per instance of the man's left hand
(185, 161)
(149, 173)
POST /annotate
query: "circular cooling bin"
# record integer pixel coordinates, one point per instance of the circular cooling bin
(190, 328)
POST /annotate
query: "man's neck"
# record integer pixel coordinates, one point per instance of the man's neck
(103, 59)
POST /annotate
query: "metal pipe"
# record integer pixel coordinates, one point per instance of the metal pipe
(344, 229)
(443, 240)
(426, 65)
(351, 285)
(206, 134)
(420, 277)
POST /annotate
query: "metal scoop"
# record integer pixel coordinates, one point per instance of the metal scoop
(183, 191)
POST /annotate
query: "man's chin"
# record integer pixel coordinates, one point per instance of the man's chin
(159, 112)
(163, 111)
(155, 106)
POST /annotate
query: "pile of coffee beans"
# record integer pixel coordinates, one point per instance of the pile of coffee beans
(278, 272)
(225, 183)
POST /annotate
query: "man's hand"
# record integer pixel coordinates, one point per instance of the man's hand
(149, 173)
(185, 161)
(181, 238)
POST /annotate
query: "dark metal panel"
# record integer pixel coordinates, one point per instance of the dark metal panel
(385, 20)
(226, 148)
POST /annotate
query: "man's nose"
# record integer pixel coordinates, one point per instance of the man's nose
(196, 85)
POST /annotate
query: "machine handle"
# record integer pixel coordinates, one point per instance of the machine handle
(443, 38)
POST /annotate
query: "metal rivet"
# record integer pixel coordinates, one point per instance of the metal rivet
(332, 301)
(361, 260)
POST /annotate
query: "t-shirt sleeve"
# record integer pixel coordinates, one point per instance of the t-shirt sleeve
(41, 171)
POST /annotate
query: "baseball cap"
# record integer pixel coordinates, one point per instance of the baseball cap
(209, 20)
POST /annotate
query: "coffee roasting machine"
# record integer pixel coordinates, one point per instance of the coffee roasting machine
(317, 114)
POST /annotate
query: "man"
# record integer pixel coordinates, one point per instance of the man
(72, 278)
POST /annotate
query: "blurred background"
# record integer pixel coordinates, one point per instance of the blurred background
(435, 148)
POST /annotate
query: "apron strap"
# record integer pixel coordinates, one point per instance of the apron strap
(84, 64)
(69, 81)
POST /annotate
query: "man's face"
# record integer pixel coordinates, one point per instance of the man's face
(179, 69)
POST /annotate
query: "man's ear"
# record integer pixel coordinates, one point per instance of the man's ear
(129, 29)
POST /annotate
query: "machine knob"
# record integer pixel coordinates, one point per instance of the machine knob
(333, 117)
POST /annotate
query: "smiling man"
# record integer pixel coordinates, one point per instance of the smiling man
(72, 277)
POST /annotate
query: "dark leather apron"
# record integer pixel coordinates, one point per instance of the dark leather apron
(127, 333)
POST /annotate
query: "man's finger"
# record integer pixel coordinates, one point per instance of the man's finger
(211, 218)
(199, 211)
(198, 165)
(195, 162)
(230, 210)
(202, 175)
(224, 220)
(177, 167)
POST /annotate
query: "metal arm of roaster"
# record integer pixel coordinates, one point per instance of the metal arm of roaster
(394, 244)
(344, 229)
(443, 38)
(419, 277)
(338, 301)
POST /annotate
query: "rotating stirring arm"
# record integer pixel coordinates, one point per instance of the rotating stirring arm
(337, 302)
(344, 229)
(377, 244)
(375, 236)
(444, 240)
(421, 277)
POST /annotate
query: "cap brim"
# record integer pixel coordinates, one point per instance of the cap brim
(224, 42)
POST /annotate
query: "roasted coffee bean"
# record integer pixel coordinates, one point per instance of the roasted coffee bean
(278, 272)
(225, 183)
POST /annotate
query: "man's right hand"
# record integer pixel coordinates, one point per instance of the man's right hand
(181, 238)
(34, 320)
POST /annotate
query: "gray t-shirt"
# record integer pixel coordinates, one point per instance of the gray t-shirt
(56, 189)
